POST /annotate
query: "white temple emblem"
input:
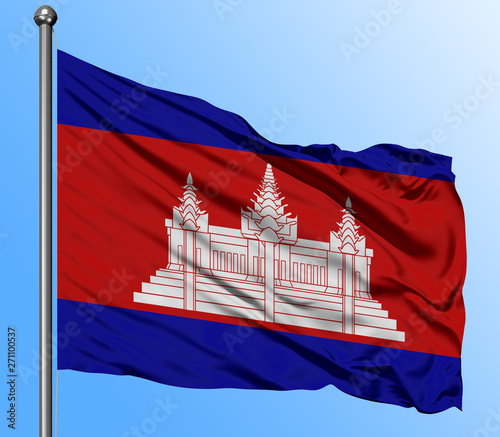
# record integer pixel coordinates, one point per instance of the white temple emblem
(264, 272)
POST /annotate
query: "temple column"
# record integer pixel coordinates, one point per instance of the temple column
(349, 239)
(269, 281)
(348, 295)
(189, 270)
(190, 218)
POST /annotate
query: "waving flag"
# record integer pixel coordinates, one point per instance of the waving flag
(194, 252)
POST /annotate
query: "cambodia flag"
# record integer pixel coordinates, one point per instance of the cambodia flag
(195, 253)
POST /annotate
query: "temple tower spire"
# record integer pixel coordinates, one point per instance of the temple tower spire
(267, 222)
(189, 209)
(348, 232)
(188, 221)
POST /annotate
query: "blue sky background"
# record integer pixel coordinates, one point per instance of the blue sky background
(400, 85)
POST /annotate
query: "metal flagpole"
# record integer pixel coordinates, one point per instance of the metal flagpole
(45, 17)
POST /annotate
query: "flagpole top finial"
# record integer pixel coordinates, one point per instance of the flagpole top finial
(45, 15)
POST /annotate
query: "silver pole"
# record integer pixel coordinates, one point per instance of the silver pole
(45, 17)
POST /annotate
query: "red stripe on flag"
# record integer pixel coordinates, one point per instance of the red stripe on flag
(116, 190)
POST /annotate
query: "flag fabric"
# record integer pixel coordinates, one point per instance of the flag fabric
(196, 253)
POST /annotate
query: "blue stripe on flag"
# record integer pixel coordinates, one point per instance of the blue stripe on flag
(117, 104)
(163, 348)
